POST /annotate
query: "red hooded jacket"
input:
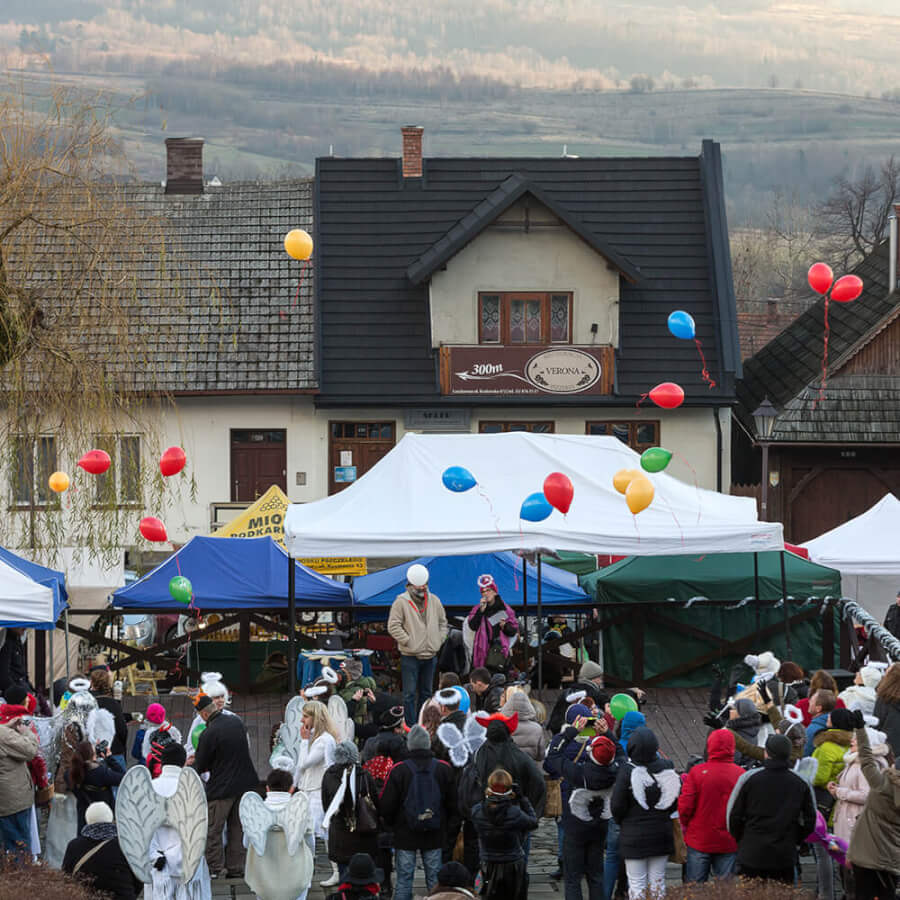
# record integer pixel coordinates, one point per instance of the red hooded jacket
(704, 796)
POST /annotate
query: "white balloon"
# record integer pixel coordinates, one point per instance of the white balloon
(417, 575)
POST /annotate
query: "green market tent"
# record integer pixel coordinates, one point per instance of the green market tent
(572, 561)
(699, 600)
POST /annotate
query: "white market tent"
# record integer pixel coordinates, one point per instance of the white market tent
(866, 551)
(401, 507)
(24, 602)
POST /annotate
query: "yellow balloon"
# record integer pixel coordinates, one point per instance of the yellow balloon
(623, 478)
(298, 244)
(58, 482)
(639, 494)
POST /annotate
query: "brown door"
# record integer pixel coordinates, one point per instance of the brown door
(354, 447)
(258, 460)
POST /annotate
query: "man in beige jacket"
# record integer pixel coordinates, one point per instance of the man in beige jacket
(418, 624)
(18, 746)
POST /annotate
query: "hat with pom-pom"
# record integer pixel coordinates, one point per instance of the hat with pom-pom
(156, 714)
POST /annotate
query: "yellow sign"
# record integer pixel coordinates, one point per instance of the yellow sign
(266, 517)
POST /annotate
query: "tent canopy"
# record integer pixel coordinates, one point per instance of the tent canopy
(232, 573)
(454, 580)
(400, 507)
(718, 576)
(31, 596)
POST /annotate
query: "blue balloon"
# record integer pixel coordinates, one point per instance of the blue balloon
(681, 324)
(464, 700)
(458, 479)
(535, 508)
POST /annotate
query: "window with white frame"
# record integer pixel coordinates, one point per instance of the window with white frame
(34, 461)
(120, 484)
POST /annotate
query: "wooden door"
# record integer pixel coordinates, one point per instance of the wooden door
(356, 445)
(258, 460)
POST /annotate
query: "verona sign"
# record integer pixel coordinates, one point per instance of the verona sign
(524, 370)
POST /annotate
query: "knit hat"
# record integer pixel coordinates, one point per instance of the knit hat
(602, 750)
(212, 685)
(16, 695)
(454, 874)
(841, 719)
(361, 871)
(418, 739)
(778, 747)
(764, 664)
(795, 732)
(353, 668)
(745, 707)
(487, 581)
(156, 712)
(346, 753)
(98, 813)
(9, 712)
(172, 754)
(643, 746)
(589, 670)
(201, 701)
(393, 717)
(576, 710)
(448, 697)
(871, 676)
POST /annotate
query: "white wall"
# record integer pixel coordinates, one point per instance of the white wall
(545, 259)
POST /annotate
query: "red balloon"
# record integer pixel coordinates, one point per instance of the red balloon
(153, 530)
(668, 395)
(559, 491)
(820, 277)
(172, 461)
(95, 461)
(847, 288)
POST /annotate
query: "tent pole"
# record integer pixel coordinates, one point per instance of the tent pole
(292, 639)
(756, 584)
(787, 612)
(52, 673)
(525, 605)
(540, 629)
(66, 620)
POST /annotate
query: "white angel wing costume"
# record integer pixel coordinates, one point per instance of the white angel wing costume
(279, 860)
(461, 745)
(288, 741)
(337, 709)
(140, 811)
(49, 732)
(101, 726)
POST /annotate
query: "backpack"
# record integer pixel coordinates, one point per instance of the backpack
(469, 789)
(422, 803)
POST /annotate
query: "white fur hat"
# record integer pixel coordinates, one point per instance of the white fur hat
(212, 685)
(98, 813)
(871, 676)
(764, 664)
(329, 675)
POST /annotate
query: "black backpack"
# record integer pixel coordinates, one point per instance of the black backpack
(422, 803)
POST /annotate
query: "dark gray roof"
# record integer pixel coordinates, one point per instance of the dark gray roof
(470, 226)
(664, 215)
(790, 365)
(238, 323)
(856, 409)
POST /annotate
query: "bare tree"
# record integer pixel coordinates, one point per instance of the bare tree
(854, 217)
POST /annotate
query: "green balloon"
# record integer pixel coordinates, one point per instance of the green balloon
(655, 459)
(195, 734)
(621, 704)
(181, 589)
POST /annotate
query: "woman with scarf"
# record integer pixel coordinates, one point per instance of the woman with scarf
(491, 629)
(348, 797)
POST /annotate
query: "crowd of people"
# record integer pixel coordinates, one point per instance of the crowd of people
(455, 776)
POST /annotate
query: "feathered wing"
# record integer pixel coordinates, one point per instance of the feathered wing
(139, 812)
(257, 820)
(289, 733)
(49, 732)
(807, 768)
(101, 726)
(295, 821)
(452, 738)
(186, 812)
(475, 734)
(337, 709)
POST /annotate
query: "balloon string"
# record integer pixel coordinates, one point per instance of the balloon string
(300, 279)
(821, 396)
(641, 399)
(484, 496)
(704, 372)
(637, 530)
(672, 512)
(696, 483)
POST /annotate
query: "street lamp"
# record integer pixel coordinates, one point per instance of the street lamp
(764, 417)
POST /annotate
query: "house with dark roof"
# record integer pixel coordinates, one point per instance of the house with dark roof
(494, 294)
(835, 447)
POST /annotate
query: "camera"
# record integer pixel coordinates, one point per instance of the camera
(102, 748)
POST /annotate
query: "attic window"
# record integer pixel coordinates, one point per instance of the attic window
(525, 318)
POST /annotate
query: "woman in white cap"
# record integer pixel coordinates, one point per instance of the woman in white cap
(418, 624)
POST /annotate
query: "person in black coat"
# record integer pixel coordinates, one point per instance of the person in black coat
(503, 820)
(643, 799)
(770, 811)
(590, 678)
(91, 779)
(410, 839)
(13, 660)
(344, 838)
(106, 870)
(101, 688)
(224, 752)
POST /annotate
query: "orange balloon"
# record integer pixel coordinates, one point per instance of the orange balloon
(639, 494)
(58, 482)
(298, 244)
(622, 479)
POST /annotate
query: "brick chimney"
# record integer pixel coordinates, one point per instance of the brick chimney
(412, 150)
(184, 165)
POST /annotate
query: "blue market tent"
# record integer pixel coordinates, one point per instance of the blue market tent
(454, 580)
(40, 575)
(232, 573)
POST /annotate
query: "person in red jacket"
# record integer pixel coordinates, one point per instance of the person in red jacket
(701, 808)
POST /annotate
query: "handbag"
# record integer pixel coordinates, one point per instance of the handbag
(42, 796)
(679, 853)
(366, 812)
(553, 806)
(496, 659)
